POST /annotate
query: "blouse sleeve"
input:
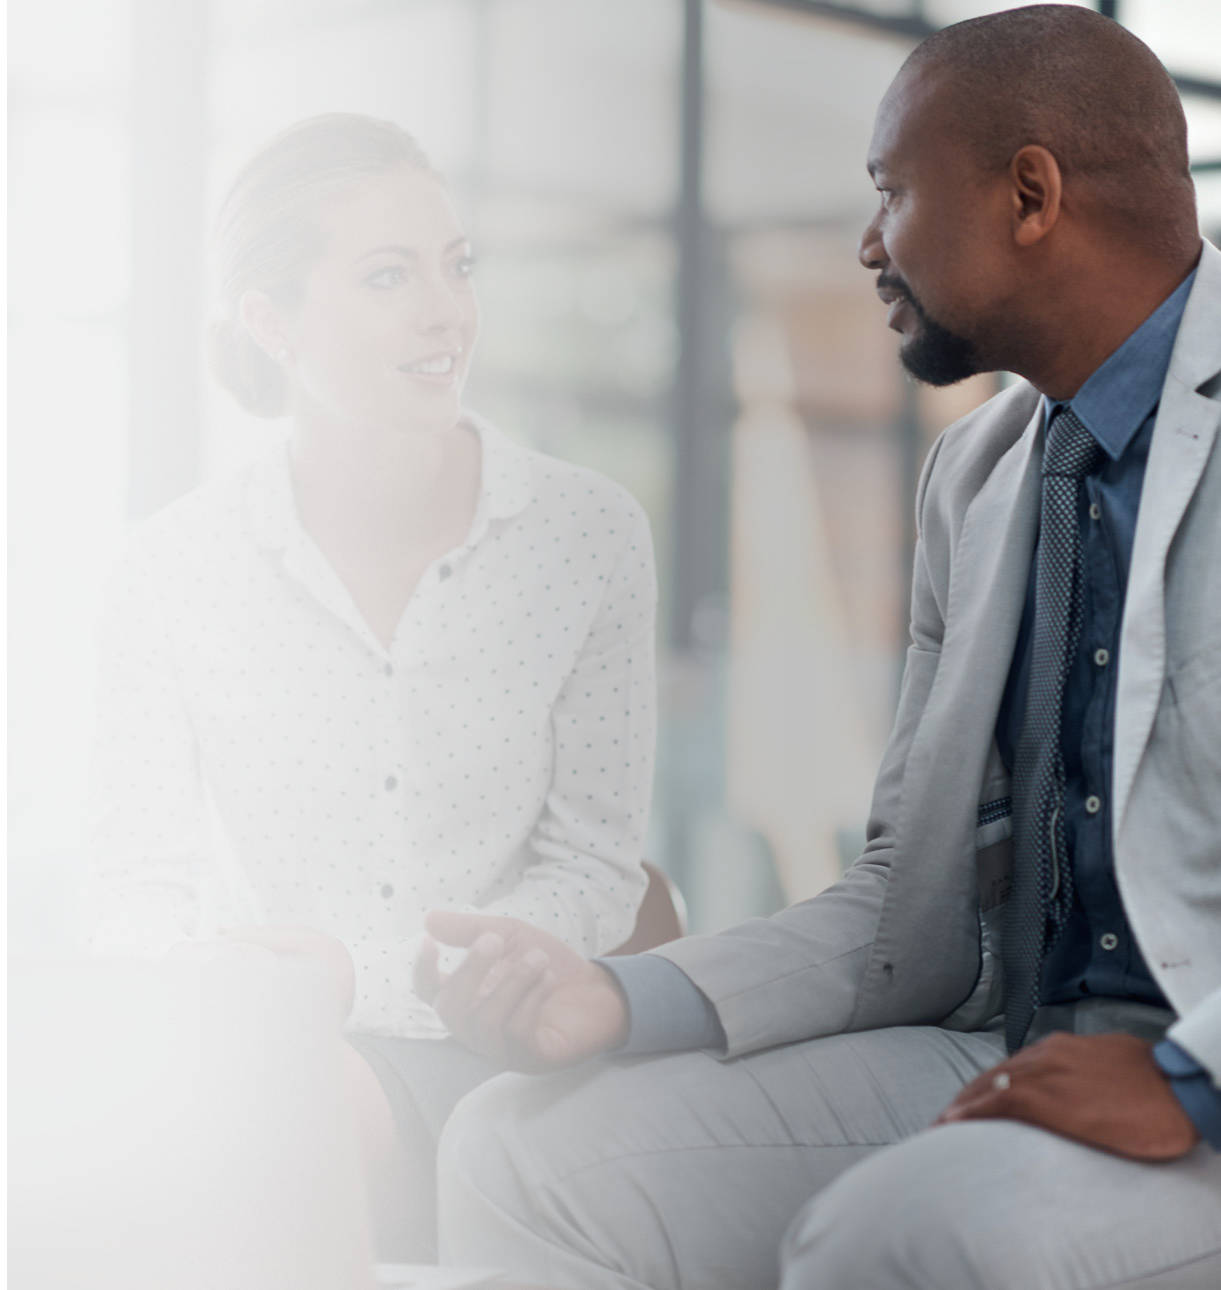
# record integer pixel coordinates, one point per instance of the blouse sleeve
(587, 882)
(147, 886)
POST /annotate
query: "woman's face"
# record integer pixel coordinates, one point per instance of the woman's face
(383, 336)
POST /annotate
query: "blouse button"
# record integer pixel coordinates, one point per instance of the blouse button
(387, 891)
(444, 571)
(391, 783)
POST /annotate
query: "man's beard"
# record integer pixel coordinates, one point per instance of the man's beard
(934, 355)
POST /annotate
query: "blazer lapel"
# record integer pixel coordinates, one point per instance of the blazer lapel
(988, 583)
(930, 886)
(1183, 437)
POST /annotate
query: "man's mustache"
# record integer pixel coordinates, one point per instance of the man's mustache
(891, 282)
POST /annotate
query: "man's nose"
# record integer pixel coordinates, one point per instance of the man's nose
(871, 252)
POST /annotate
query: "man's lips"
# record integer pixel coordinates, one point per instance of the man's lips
(897, 299)
(895, 313)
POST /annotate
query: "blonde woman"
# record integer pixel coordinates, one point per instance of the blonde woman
(399, 663)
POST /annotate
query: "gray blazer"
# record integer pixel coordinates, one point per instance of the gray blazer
(910, 935)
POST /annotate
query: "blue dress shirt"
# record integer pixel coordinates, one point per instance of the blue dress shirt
(1096, 954)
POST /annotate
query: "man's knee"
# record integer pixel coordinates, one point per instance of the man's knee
(916, 1216)
(476, 1155)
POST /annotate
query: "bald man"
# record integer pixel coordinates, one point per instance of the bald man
(989, 1055)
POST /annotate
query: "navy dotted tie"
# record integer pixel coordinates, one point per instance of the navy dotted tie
(1042, 892)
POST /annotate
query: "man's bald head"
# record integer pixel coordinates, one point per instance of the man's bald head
(1088, 91)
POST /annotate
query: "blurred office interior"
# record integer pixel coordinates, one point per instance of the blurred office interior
(666, 198)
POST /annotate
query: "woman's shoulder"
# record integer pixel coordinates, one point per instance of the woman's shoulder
(565, 489)
(565, 497)
(204, 526)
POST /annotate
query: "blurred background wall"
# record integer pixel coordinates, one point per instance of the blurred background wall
(666, 197)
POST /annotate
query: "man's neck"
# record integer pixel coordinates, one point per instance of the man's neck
(1092, 320)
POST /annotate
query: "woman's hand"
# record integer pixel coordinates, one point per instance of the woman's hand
(324, 952)
(520, 996)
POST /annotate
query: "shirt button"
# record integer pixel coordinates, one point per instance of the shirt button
(1093, 804)
(444, 571)
(1102, 657)
(1095, 511)
(391, 783)
(1108, 940)
(387, 891)
(389, 669)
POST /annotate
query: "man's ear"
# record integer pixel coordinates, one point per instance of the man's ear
(266, 324)
(1037, 186)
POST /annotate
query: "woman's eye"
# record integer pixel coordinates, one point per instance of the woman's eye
(393, 275)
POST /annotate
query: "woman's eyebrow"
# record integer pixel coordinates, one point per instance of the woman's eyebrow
(407, 252)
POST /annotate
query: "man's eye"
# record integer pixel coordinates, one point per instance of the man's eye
(464, 266)
(393, 275)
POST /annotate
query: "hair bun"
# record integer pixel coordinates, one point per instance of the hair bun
(243, 369)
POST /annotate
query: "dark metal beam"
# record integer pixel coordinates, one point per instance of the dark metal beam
(915, 26)
(1198, 86)
(701, 412)
(907, 26)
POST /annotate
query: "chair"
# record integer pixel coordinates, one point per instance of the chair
(662, 915)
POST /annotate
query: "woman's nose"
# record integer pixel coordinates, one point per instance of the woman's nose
(438, 308)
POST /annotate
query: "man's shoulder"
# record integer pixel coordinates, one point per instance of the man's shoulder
(988, 432)
(967, 451)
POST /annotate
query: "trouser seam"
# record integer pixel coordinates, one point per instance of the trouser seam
(577, 1170)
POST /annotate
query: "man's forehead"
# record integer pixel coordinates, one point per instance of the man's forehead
(915, 110)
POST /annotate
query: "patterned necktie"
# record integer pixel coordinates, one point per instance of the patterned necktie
(1042, 892)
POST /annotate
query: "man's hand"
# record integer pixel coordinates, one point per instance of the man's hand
(520, 996)
(1103, 1090)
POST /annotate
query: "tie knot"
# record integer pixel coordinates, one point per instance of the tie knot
(1070, 449)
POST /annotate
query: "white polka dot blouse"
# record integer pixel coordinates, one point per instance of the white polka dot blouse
(262, 758)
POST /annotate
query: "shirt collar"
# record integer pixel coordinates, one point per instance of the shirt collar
(506, 487)
(1119, 395)
(506, 484)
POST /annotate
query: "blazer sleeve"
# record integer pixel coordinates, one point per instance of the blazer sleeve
(795, 975)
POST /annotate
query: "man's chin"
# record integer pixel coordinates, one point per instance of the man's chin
(939, 360)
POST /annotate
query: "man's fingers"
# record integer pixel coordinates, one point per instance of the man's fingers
(451, 927)
(987, 1105)
(514, 979)
(507, 972)
(987, 1096)
(426, 971)
(457, 997)
(522, 1025)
